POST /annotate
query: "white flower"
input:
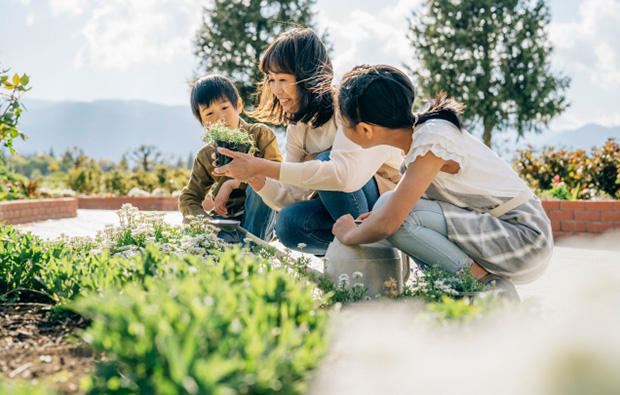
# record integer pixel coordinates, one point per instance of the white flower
(301, 246)
(343, 281)
(358, 275)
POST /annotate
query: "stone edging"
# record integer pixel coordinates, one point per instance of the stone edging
(582, 217)
(24, 211)
(158, 203)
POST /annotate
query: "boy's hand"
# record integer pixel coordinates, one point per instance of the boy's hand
(207, 204)
(222, 196)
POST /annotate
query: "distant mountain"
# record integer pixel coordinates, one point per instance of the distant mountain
(586, 137)
(108, 128)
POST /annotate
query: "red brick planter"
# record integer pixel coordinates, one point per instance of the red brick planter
(582, 217)
(24, 211)
(158, 203)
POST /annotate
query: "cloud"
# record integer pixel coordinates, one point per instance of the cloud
(591, 44)
(365, 37)
(71, 7)
(121, 34)
(30, 19)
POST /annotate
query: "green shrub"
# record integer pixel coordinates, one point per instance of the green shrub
(24, 258)
(572, 174)
(238, 326)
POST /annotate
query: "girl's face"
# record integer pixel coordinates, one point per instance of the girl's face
(223, 110)
(284, 86)
(355, 133)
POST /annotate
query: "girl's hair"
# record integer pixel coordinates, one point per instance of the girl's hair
(302, 53)
(383, 95)
(210, 88)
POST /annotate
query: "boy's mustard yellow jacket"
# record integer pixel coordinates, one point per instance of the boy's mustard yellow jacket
(202, 180)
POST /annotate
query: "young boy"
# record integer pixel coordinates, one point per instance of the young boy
(215, 98)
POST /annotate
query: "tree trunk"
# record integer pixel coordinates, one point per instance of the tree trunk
(486, 136)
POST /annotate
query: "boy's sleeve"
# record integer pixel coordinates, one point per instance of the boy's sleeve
(267, 144)
(190, 200)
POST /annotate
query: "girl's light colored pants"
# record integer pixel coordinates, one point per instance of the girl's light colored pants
(424, 236)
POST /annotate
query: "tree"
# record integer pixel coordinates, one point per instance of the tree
(74, 157)
(10, 107)
(145, 156)
(234, 35)
(493, 55)
(190, 161)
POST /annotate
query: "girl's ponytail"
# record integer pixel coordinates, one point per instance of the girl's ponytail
(441, 107)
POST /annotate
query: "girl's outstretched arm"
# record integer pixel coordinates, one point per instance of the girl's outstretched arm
(386, 221)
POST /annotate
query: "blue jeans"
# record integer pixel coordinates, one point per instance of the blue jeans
(424, 237)
(310, 221)
(258, 219)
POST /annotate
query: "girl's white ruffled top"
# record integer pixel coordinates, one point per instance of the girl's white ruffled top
(481, 171)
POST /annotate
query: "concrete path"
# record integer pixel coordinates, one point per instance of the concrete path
(563, 338)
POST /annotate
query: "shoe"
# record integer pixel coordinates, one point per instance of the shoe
(502, 285)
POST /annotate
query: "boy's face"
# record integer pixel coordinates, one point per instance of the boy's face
(221, 109)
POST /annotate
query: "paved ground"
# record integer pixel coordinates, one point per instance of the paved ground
(562, 339)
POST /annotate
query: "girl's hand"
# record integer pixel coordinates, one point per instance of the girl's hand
(343, 229)
(241, 168)
(222, 196)
(364, 216)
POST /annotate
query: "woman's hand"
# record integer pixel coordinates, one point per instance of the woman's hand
(344, 228)
(222, 196)
(243, 167)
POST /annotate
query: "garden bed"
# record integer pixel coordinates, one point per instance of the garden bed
(158, 203)
(24, 211)
(582, 217)
(37, 345)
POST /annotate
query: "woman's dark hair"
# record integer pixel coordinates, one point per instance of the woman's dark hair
(383, 95)
(302, 53)
(210, 88)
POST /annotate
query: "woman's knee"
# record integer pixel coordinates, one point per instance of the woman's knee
(382, 200)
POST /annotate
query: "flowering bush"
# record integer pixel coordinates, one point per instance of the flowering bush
(572, 174)
(433, 283)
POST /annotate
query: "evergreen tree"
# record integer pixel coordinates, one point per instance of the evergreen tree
(190, 161)
(235, 34)
(493, 55)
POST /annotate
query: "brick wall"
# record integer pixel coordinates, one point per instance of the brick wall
(159, 203)
(582, 217)
(24, 211)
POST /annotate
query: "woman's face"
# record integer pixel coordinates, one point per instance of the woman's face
(284, 86)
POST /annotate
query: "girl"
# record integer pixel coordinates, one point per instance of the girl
(342, 178)
(458, 204)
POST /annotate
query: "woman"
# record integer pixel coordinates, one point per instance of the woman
(324, 175)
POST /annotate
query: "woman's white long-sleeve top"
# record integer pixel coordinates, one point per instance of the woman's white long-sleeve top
(350, 166)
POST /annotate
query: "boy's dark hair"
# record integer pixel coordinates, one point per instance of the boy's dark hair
(210, 88)
(383, 95)
(302, 53)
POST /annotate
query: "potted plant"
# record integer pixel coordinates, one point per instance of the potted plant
(234, 139)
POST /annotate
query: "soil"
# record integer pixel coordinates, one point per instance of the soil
(38, 346)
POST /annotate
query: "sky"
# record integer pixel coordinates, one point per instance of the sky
(85, 50)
